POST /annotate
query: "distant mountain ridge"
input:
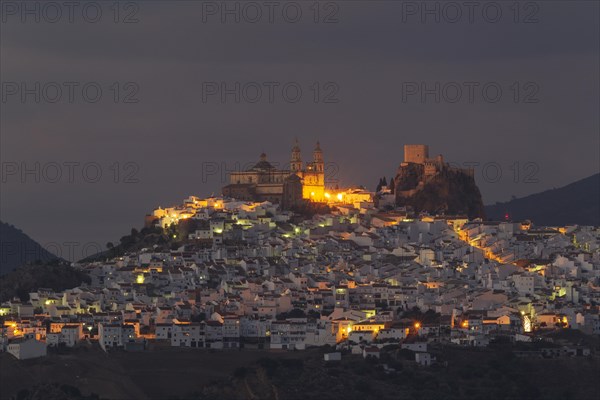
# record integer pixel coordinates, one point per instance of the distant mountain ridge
(575, 204)
(16, 249)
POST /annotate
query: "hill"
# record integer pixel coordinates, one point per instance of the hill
(449, 191)
(156, 238)
(577, 203)
(16, 249)
(57, 275)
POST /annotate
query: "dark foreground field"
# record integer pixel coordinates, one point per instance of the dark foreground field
(162, 374)
(168, 373)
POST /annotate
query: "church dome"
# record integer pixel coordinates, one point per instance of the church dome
(263, 164)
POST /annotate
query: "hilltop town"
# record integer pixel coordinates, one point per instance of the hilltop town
(253, 275)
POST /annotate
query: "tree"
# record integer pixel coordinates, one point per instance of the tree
(296, 313)
(392, 185)
(199, 317)
(379, 185)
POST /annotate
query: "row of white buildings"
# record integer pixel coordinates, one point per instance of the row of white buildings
(249, 275)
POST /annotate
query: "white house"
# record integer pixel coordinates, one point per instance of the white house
(52, 339)
(416, 346)
(371, 352)
(115, 335)
(423, 359)
(360, 336)
(25, 349)
(213, 334)
(231, 332)
(71, 334)
(163, 331)
(332, 356)
(393, 333)
(187, 334)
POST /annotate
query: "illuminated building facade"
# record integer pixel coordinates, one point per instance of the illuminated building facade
(264, 182)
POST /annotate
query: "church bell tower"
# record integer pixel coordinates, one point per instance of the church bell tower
(318, 158)
(296, 161)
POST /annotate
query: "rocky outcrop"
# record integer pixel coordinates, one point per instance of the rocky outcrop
(449, 191)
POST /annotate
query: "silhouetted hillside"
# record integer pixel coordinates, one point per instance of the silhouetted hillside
(577, 203)
(57, 275)
(16, 249)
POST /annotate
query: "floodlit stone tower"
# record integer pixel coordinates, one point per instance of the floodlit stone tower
(416, 153)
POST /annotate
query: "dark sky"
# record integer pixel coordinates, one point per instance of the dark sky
(167, 145)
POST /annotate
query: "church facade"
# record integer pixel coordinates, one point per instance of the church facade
(288, 187)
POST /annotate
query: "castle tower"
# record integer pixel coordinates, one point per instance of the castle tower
(416, 153)
(296, 161)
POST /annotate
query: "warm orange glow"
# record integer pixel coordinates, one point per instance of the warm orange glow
(527, 324)
(465, 324)
(417, 325)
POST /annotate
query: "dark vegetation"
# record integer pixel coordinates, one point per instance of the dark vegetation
(462, 373)
(153, 237)
(493, 373)
(136, 240)
(298, 313)
(307, 210)
(427, 317)
(56, 275)
(53, 391)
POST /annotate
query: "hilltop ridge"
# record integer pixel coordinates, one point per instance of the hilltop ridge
(433, 186)
(575, 203)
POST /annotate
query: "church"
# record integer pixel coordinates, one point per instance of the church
(288, 187)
